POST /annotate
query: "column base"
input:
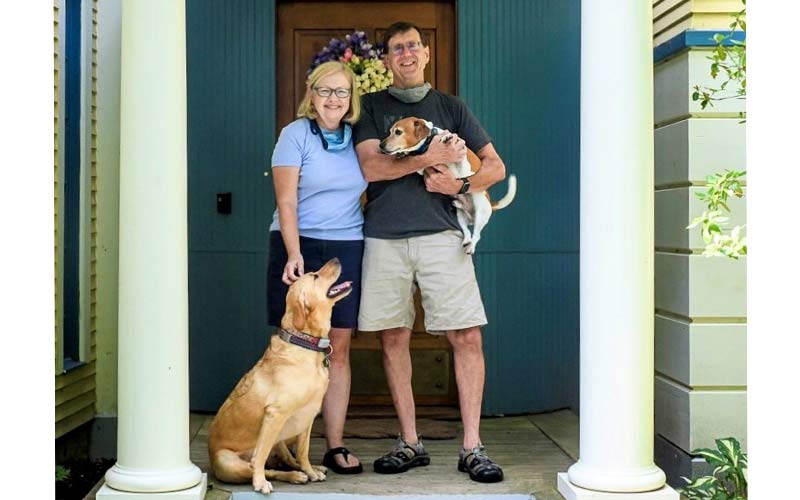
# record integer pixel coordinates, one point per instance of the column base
(197, 492)
(622, 480)
(571, 492)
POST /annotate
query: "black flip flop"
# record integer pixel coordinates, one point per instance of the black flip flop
(330, 462)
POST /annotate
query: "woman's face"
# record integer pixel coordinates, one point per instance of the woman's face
(331, 109)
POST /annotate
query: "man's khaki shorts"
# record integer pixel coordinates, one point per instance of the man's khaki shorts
(436, 263)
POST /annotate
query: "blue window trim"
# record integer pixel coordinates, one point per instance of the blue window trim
(692, 38)
(72, 184)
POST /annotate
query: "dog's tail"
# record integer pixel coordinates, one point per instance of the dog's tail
(509, 197)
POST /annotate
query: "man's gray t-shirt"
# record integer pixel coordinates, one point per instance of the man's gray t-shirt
(403, 208)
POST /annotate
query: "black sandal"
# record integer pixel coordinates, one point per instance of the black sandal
(481, 468)
(402, 457)
(330, 462)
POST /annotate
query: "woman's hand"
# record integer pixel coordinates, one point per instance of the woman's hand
(293, 269)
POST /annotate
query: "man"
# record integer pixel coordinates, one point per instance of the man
(412, 238)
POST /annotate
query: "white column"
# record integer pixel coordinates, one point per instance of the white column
(616, 256)
(153, 402)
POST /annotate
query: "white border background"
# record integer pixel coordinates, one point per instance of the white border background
(26, 256)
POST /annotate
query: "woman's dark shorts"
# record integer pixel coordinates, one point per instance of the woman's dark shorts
(315, 254)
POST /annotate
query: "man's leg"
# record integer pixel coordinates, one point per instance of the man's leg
(397, 366)
(470, 375)
(334, 406)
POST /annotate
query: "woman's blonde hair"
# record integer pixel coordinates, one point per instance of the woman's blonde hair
(306, 109)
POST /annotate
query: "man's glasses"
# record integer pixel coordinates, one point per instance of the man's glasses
(326, 92)
(412, 47)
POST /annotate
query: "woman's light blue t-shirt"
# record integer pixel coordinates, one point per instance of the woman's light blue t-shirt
(330, 185)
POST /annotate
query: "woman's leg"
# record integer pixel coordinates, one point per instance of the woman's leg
(334, 406)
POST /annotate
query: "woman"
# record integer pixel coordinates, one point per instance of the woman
(318, 186)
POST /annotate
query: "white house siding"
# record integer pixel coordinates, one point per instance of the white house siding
(75, 390)
(700, 317)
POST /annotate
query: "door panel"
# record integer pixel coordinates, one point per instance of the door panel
(230, 135)
(304, 28)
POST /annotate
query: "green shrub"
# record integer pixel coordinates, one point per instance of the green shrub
(730, 59)
(62, 473)
(728, 481)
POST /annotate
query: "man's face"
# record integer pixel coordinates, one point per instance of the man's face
(407, 58)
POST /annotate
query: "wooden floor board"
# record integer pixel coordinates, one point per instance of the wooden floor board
(529, 459)
(562, 428)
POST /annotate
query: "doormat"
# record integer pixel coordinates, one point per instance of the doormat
(252, 495)
(380, 428)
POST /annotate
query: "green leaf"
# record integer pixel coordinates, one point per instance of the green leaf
(722, 469)
(62, 473)
(731, 449)
(713, 457)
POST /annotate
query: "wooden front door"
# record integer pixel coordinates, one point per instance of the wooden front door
(304, 28)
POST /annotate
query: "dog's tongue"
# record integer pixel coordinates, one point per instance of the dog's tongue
(340, 288)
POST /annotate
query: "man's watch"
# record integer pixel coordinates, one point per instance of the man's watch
(465, 186)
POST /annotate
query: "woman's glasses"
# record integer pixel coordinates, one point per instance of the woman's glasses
(412, 47)
(326, 92)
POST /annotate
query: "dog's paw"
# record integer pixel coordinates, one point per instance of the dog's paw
(469, 248)
(320, 468)
(315, 475)
(297, 477)
(261, 484)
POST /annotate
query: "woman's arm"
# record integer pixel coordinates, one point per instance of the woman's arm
(285, 180)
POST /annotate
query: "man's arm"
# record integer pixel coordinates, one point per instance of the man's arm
(439, 179)
(377, 166)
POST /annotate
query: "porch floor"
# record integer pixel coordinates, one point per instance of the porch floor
(532, 449)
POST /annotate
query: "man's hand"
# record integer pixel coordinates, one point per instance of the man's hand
(439, 179)
(454, 150)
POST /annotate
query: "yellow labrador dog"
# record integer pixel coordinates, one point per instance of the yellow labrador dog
(273, 406)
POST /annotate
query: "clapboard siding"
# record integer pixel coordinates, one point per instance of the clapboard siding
(58, 175)
(689, 150)
(701, 354)
(694, 286)
(74, 398)
(91, 205)
(695, 418)
(674, 80)
(672, 17)
(700, 317)
(75, 390)
(675, 208)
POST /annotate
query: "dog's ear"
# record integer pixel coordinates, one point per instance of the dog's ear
(299, 311)
(420, 128)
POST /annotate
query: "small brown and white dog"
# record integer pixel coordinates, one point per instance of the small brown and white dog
(413, 136)
(273, 406)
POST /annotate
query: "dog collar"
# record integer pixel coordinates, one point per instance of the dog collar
(423, 147)
(306, 341)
